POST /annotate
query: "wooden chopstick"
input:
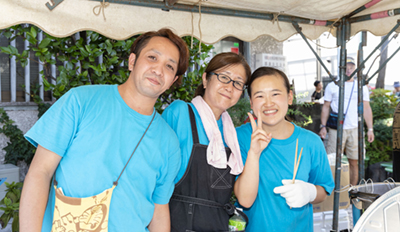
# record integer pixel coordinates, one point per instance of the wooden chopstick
(296, 162)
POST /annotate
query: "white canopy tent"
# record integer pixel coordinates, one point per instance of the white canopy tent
(125, 18)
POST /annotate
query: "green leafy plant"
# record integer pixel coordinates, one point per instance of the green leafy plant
(380, 150)
(18, 148)
(239, 111)
(10, 205)
(296, 113)
(383, 105)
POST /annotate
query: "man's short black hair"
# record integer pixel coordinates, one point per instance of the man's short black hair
(316, 83)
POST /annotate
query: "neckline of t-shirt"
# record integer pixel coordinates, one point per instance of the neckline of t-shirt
(130, 110)
(289, 140)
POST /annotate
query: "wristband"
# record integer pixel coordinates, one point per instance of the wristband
(321, 126)
(370, 129)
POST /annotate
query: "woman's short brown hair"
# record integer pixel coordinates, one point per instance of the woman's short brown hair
(223, 60)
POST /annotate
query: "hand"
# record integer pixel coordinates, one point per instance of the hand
(259, 138)
(371, 136)
(298, 194)
(322, 132)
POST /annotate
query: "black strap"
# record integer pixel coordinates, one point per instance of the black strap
(116, 182)
(228, 207)
(193, 125)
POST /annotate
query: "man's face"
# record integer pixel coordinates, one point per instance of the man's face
(319, 86)
(154, 71)
(350, 67)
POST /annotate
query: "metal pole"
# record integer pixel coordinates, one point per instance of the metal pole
(13, 73)
(384, 63)
(342, 70)
(317, 64)
(377, 47)
(298, 29)
(41, 90)
(219, 11)
(361, 83)
(27, 73)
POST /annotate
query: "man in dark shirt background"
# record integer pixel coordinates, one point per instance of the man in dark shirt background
(318, 91)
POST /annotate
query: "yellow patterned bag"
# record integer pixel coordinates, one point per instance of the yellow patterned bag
(88, 214)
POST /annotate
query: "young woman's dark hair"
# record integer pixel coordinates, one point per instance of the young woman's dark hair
(268, 71)
(220, 61)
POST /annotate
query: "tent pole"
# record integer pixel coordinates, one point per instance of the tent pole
(298, 29)
(384, 63)
(342, 71)
(376, 48)
(219, 11)
(361, 83)
(382, 14)
(366, 6)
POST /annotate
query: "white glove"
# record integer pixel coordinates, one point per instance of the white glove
(298, 194)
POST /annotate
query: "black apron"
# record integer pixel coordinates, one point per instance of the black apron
(200, 202)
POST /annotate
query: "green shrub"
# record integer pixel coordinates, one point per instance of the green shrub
(380, 150)
(239, 111)
(383, 106)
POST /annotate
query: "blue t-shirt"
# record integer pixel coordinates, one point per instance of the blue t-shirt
(270, 211)
(95, 132)
(177, 116)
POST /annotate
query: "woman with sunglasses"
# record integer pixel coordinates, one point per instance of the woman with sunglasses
(210, 151)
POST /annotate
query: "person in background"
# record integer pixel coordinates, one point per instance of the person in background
(274, 197)
(350, 121)
(210, 151)
(87, 138)
(318, 91)
(396, 90)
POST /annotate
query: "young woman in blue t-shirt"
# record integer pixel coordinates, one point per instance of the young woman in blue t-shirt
(282, 175)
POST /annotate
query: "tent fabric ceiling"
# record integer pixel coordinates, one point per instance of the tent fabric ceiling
(124, 20)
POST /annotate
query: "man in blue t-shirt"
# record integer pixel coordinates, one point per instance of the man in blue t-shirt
(87, 138)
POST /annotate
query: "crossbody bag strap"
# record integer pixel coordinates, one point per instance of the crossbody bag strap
(116, 182)
(351, 94)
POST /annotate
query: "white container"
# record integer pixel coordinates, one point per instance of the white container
(11, 172)
(323, 221)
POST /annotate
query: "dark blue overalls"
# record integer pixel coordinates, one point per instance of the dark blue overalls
(200, 202)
